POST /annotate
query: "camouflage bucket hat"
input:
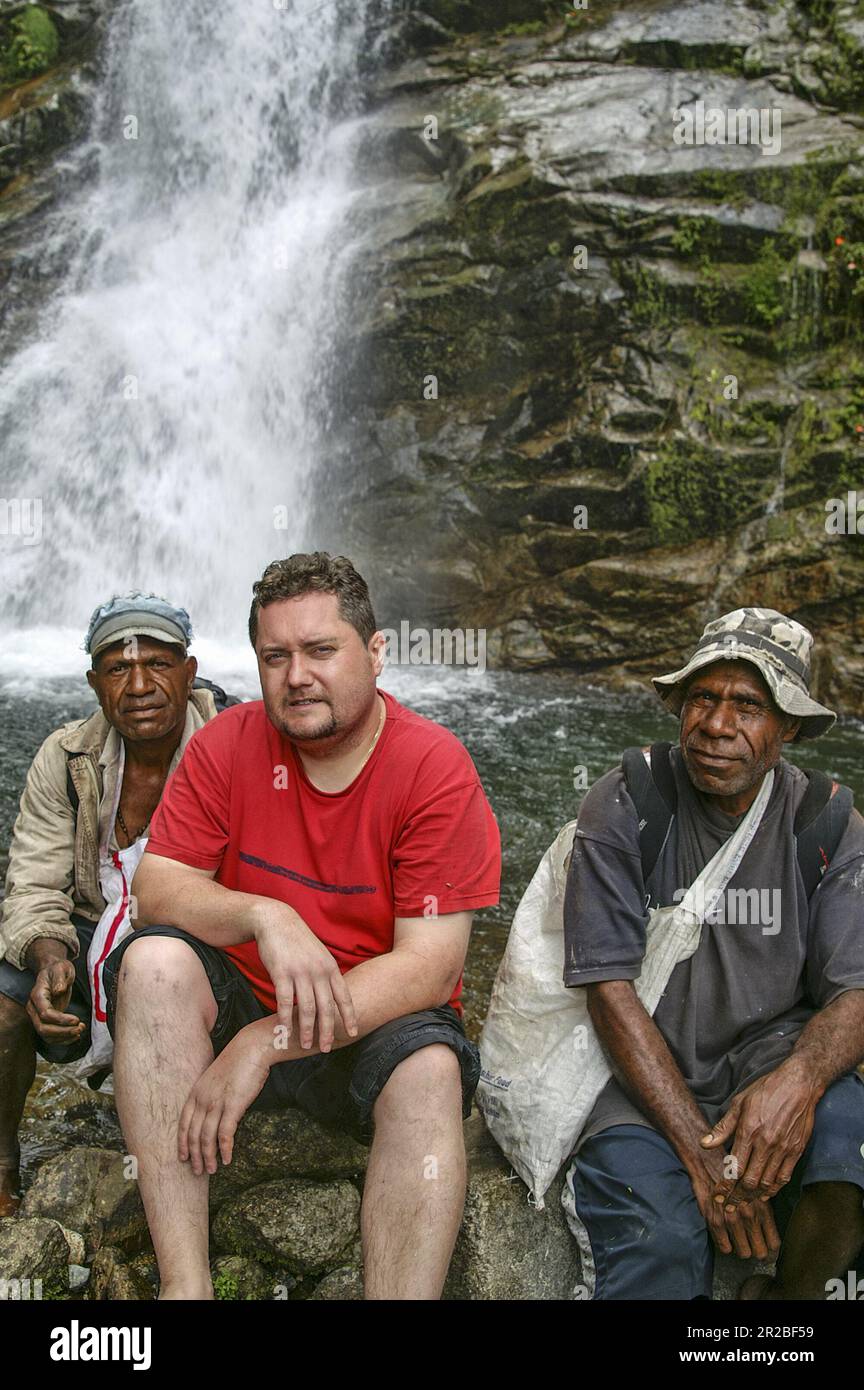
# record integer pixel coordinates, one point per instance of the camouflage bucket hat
(777, 646)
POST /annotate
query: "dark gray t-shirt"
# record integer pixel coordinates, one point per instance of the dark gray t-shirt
(766, 961)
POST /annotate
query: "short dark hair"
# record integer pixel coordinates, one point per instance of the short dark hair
(315, 573)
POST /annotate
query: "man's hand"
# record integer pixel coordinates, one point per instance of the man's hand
(746, 1229)
(55, 976)
(219, 1100)
(771, 1121)
(301, 967)
(296, 961)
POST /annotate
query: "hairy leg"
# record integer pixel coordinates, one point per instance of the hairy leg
(165, 1013)
(415, 1183)
(17, 1069)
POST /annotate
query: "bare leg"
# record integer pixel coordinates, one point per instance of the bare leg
(822, 1242)
(165, 1012)
(415, 1182)
(17, 1069)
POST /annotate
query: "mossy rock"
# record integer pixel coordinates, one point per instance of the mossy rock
(691, 491)
(29, 43)
(468, 16)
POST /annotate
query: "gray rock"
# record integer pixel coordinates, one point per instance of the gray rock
(507, 1249)
(87, 1189)
(78, 1277)
(304, 1225)
(285, 1144)
(35, 1249)
(341, 1285)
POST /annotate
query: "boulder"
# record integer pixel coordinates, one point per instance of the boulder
(305, 1226)
(88, 1190)
(340, 1285)
(506, 1248)
(34, 1259)
(285, 1144)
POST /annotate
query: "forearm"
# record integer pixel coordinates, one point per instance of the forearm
(386, 987)
(197, 904)
(646, 1067)
(42, 951)
(832, 1042)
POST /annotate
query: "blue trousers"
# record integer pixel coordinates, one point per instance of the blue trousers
(648, 1237)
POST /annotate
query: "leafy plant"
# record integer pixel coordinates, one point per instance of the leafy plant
(33, 47)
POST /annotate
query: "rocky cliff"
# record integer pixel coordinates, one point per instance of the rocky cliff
(602, 371)
(609, 380)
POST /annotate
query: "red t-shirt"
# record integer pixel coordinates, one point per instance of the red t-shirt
(413, 826)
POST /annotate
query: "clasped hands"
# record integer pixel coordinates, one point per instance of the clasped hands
(303, 972)
(769, 1124)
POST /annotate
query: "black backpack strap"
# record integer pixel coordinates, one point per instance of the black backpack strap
(653, 793)
(820, 823)
(71, 789)
(222, 701)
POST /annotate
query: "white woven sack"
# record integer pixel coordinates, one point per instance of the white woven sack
(543, 1066)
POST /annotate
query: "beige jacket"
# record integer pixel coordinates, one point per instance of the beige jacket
(54, 856)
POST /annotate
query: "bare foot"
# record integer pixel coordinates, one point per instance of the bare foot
(759, 1286)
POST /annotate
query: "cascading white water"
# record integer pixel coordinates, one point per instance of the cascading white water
(169, 414)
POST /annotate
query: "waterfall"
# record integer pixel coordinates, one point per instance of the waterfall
(170, 413)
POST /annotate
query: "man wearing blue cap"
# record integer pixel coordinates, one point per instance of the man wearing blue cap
(91, 790)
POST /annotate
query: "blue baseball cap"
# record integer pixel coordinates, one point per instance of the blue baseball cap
(137, 615)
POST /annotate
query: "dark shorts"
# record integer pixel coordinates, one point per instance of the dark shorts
(18, 984)
(339, 1088)
(647, 1236)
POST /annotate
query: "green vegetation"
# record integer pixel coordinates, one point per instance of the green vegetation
(28, 45)
(762, 287)
(720, 186)
(801, 301)
(648, 297)
(688, 234)
(840, 60)
(689, 493)
(821, 422)
(525, 30)
(225, 1287)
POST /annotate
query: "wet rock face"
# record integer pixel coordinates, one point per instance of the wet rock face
(612, 372)
(45, 110)
(603, 370)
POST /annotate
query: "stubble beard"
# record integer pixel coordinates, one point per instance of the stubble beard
(311, 735)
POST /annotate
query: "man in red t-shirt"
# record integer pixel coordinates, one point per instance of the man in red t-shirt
(313, 866)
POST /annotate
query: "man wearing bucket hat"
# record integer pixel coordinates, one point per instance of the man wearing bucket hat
(735, 1115)
(90, 792)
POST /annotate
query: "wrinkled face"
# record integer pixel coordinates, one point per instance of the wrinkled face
(317, 676)
(731, 730)
(143, 686)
